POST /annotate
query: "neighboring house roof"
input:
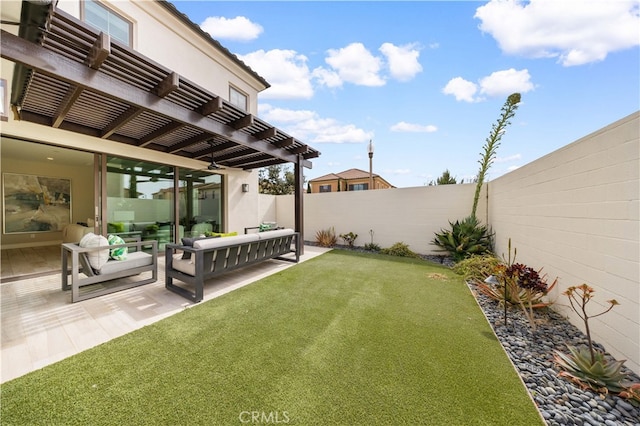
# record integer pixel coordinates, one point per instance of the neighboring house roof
(347, 174)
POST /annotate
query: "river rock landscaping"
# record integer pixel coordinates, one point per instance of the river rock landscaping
(560, 401)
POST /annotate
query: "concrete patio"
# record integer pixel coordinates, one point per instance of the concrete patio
(41, 326)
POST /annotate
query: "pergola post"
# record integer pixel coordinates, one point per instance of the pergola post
(299, 202)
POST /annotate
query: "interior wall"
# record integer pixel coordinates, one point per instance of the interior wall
(82, 182)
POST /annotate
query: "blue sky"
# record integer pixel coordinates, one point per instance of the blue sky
(425, 80)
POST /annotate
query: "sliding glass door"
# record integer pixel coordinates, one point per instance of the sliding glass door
(200, 204)
(140, 201)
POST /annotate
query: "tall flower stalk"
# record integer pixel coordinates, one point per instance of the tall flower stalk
(493, 142)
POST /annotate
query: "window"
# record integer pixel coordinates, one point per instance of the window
(325, 188)
(237, 98)
(359, 187)
(107, 21)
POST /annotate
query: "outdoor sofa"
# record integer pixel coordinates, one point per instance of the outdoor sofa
(197, 260)
(85, 272)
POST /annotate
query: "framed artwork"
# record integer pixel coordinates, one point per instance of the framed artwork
(35, 203)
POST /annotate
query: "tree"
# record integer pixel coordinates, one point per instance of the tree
(276, 180)
(445, 179)
(493, 142)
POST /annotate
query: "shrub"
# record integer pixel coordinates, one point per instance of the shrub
(465, 238)
(326, 237)
(372, 247)
(517, 284)
(349, 238)
(399, 249)
(477, 267)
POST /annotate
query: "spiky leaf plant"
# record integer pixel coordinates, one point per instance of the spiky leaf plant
(464, 239)
(326, 237)
(594, 371)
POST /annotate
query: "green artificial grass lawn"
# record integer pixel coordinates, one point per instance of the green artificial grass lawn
(344, 338)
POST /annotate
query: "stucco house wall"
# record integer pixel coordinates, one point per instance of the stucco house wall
(168, 41)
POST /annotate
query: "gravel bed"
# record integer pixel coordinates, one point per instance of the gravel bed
(560, 401)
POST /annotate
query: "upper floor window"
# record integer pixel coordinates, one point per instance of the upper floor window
(359, 187)
(96, 14)
(237, 98)
(325, 188)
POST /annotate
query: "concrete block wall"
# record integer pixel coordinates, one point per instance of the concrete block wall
(575, 212)
(408, 215)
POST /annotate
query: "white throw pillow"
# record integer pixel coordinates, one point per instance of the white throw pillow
(97, 258)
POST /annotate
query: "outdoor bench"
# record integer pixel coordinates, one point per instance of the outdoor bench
(83, 274)
(210, 257)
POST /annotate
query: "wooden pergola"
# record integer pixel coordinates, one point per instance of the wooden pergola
(72, 77)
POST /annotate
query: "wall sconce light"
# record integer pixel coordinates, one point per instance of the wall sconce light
(245, 187)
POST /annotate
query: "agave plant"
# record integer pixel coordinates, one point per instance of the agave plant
(589, 367)
(465, 238)
(595, 372)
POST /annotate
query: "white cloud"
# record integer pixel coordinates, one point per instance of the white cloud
(499, 83)
(416, 128)
(402, 60)
(574, 32)
(285, 70)
(515, 157)
(355, 64)
(512, 168)
(237, 29)
(310, 127)
(462, 89)
(504, 83)
(327, 77)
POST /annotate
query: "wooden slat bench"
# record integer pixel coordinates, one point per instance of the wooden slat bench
(82, 274)
(210, 257)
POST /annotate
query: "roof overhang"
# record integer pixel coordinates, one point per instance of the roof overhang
(70, 76)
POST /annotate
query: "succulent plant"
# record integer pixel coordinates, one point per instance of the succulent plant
(591, 370)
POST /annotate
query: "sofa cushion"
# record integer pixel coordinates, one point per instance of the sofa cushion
(133, 260)
(189, 243)
(273, 234)
(97, 258)
(218, 242)
(119, 253)
(184, 265)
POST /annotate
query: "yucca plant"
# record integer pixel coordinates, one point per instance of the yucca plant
(591, 370)
(326, 237)
(465, 238)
